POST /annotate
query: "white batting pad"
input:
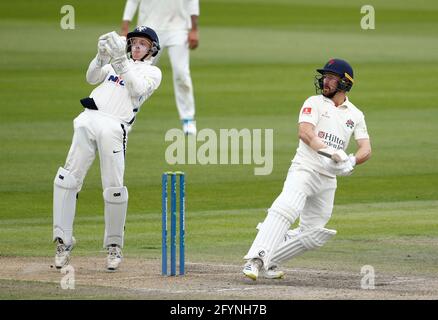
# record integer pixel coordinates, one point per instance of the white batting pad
(116, 205)
(289, 204)
(303, 241)
(283, 212)
(65, 189)
(270, 234)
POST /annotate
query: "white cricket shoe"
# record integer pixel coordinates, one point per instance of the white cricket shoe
(189, 126)
(252, 268)
(62, 256)
(114, 257)
(273, 273)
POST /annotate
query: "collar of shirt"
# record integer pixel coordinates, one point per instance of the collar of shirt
(147, 62)
(345, 104)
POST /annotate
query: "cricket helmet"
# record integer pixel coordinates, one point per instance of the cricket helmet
(341, 68)
(144, 32)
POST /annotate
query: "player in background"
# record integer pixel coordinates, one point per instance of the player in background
(126, 78)
(176, 23)
(326, 124)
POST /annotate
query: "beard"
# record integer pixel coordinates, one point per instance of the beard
(327, 93)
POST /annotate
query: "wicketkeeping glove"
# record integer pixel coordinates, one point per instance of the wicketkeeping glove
(103, 56)
(116, 47)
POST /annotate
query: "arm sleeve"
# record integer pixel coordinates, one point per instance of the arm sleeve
(360, 130)
(130, 9)
(96, 73)
(142, 84)
(309, 113)
(193, 7)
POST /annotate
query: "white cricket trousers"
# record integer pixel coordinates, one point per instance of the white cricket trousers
(178, 48)
(95, 131)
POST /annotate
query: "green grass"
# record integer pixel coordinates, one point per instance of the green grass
(253, 69)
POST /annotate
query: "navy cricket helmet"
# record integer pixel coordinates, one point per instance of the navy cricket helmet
(144, 32)
(341, 68)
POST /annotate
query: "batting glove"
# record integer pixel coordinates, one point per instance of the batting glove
(344, 168)
(336, 155)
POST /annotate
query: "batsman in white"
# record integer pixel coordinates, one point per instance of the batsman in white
(176, 23)
(326, 124)
(126, 78)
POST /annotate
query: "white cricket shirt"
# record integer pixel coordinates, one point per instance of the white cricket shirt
(162, 15)
(334, 125)
(120, 97)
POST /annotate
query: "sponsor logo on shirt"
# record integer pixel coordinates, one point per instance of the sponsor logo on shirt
(331, 140)
(307, 110)
(116, 80)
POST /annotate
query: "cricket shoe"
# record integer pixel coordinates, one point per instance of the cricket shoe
(114, 257)
(252, 268)
(273, 273)
(189, 126)
(62, 256)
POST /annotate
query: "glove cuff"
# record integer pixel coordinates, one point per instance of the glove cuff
(101, 61)
(120, 65)
(352, 159)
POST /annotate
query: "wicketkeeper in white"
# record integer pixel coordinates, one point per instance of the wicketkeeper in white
(326, 124)
(126, 79)
(176, 23)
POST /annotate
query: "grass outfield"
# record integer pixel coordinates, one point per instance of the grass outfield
(253, 69)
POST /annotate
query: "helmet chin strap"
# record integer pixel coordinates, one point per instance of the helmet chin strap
(147, 55)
